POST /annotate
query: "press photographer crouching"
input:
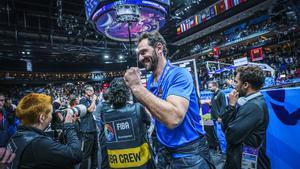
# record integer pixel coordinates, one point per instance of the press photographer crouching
(33, 148)
(125, 128)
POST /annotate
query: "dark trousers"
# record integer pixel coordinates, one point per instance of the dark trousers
(198, 156)
(89, 150)
(103, 149)
(211, 137)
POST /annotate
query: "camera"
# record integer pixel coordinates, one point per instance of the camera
(80, 110)
(58, 119)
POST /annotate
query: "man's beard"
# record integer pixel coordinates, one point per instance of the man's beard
(242, 93)
(154, 62)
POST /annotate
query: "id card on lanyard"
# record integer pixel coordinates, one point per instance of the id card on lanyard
(249, 157)
(158, 91)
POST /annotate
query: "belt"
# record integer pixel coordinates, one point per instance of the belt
(187, 148)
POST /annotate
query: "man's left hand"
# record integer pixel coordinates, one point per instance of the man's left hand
(132, 77)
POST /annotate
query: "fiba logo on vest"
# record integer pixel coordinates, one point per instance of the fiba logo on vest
(123, 126)
(109, 132)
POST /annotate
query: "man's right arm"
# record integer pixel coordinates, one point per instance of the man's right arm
(227, 116)
(242, 124)
(170, 112)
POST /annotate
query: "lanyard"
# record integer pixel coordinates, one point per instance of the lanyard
(158, 91)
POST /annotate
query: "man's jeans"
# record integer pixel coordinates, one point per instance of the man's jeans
(198, 157)
(221, 136)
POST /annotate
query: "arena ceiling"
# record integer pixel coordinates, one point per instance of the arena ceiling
(55, 36)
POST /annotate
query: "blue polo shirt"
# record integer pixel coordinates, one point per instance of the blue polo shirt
(179, 82)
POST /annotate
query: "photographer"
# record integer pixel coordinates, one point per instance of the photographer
(33, 148)
(125, 128)
(88, 130)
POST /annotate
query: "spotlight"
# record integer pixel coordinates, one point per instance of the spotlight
(106, 56)
(121, 57)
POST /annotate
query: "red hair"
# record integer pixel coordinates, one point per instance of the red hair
(32, 106)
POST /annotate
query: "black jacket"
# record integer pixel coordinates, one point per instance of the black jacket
(218, 104)
(45, 153)
(246, 125)
(87, 122)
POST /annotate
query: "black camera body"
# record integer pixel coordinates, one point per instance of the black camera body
(58, 119)
(78, 110)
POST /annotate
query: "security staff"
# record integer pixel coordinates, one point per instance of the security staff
(246, 120)
(125, 128)
(172, 100)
